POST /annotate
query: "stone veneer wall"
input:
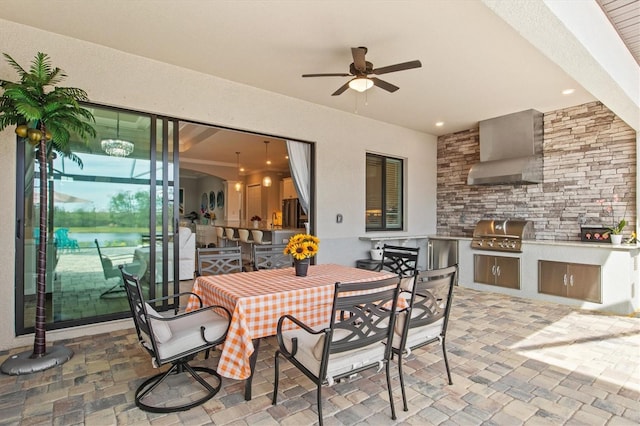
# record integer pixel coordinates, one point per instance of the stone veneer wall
(589, 156)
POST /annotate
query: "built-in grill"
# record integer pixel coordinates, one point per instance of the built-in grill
(501, 235)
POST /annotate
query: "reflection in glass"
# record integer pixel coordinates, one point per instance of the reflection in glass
(108, 201)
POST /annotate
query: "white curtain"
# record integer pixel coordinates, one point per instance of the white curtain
(300, 165)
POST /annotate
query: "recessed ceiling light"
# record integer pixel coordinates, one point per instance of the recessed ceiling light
(568, 91)
(440, 123)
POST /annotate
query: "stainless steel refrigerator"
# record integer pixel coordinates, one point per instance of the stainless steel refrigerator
(292, 214)
(442, 253)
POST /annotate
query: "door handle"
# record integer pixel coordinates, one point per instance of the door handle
(571, 280)
(498, 270)
(564, 280)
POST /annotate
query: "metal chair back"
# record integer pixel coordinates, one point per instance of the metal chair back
(219, 260)
(271, 256)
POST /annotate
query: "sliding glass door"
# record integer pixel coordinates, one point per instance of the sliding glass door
(116, 208)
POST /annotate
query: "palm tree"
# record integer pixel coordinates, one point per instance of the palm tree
(47, 115)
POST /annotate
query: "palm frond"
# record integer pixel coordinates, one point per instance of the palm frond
(15, 65)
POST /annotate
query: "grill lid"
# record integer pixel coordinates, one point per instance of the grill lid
(501, 235)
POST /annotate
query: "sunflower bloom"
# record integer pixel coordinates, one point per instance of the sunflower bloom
(302, 246)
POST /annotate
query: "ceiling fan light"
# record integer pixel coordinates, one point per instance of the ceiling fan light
(360, 84)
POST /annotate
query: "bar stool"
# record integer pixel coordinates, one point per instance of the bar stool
(243, 236)
(230, 237)
(257, 237)
(220, 236)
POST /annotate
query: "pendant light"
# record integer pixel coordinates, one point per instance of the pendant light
(238, 184)
(117, 147)
(267, 180)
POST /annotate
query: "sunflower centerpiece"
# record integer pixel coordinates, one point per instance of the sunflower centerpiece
(302, 247)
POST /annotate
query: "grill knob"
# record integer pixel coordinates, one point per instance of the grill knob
(490, 243)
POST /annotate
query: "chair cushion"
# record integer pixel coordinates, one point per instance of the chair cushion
(406, 283)
(161, 330)
(416, 335)
(185, 330)
(339, 363)
(319, 346)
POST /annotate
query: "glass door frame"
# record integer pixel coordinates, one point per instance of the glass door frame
(169, 220)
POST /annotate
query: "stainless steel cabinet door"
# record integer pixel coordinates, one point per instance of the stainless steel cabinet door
(573, 280)
(552, 278)
(508, 272)
(483, 269)
(584, 282)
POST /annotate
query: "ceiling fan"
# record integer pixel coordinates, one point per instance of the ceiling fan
(360, 69)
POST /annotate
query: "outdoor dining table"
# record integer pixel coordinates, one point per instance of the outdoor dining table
(258, 299)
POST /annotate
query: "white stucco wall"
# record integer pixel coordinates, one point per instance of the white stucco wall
(115, 78)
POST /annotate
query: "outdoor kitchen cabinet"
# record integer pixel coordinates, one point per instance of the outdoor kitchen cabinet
(497, 270)
(573, 280)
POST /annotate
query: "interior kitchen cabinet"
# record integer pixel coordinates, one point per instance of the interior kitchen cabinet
(497, 270)
(231, 203)
(288, 188)
(573, 280)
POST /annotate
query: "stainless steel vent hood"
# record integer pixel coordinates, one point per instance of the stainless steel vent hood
(510, 150)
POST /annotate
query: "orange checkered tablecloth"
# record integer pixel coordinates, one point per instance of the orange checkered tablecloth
(258, 299)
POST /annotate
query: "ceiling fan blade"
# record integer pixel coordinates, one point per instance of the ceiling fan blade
(341, 89)
(383, 84)
(397, 67)
(337, 74)
(359, 62)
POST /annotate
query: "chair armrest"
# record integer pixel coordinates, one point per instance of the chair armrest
(176, 296)
(294, 341)
(119, 257)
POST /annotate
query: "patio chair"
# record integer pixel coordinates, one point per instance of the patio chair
(175, 340)
(270, 256)
(402, 261)
(343, 347)
(63, 241)
(429, 308)
(219, 260)
(110, 269)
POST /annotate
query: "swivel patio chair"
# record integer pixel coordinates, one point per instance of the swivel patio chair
(110, 269)
(342, 347)
(219, 260)
(271, 256)
(175, 340)
(426, 319)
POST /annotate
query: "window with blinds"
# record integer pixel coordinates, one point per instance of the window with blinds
(384, 191)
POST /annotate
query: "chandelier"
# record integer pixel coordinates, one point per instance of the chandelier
(117, 147)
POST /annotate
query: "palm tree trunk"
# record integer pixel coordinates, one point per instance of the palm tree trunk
(40, 344)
